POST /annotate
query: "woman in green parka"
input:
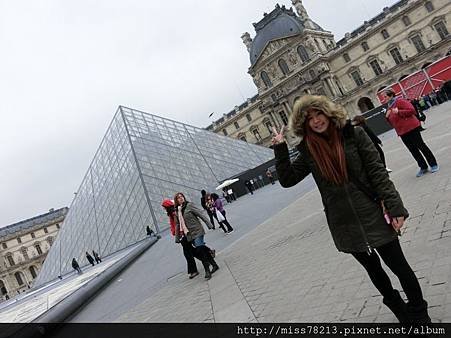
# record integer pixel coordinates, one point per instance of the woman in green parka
(356, 191)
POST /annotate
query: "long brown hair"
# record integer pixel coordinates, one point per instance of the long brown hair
(176, 203)
(328, 153)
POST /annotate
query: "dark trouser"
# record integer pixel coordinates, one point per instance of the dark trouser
(414, 142)
(188, 252)
(392, 255)
(225, 222)
(210, 214)
(381, 154)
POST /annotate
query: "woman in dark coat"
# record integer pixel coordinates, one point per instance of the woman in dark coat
(350, 175)
(188, 223)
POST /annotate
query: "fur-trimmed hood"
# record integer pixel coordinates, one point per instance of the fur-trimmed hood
(332, 110)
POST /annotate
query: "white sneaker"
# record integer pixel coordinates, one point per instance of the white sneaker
(388, 170)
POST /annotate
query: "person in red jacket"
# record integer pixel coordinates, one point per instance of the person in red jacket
(401, 116)
(188, 250)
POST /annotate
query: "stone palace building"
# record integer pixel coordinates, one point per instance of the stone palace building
(23, 248)
(291, 55)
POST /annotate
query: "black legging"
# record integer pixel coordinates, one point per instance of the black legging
(414, 142)
(189, 253)
(392, 255)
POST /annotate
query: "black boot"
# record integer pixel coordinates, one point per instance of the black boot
(397, 305)
(418, 314)
(207, 270)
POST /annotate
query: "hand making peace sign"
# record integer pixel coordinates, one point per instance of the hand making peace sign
(277, 136)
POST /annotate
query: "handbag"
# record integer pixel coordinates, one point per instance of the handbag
(219, 216)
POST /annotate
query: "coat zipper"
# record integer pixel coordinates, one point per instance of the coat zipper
(369, 249)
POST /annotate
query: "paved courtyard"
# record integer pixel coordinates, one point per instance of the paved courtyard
(286, 269)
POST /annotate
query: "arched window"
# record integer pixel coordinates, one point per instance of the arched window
(429, 6)
(248, 117)
(224, 132)
(10, 260)
(237, 126)
(385, 34)
(283, 66)
(33, 271)
(365, 104)
(346, 57)
(24, 253)
(441, 29)
(303, 54)
(365, 46)
(266, 79)
(256, 133)
(19, 278)
(50, 240)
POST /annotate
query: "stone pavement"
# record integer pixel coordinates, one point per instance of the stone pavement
(288, 270)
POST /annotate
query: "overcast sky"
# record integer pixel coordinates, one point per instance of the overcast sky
(65, 66)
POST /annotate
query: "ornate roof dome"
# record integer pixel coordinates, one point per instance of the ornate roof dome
(278, 24)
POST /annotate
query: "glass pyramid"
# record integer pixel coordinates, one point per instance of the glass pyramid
(142, 159)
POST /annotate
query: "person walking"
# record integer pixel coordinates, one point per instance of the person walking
(96, 257)
(223, 222)
(188, 249)
(89, 258)
(203, 203)
(360, 121)
(354, 185)
(76, 266)
(401, 115)
(187, 223)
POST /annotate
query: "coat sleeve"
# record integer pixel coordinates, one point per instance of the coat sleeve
(378, 175)
(405, 108)
(199, 214)
(372, 135)
(290, 173)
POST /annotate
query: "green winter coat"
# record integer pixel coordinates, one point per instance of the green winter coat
(355, 220)
(191, 215)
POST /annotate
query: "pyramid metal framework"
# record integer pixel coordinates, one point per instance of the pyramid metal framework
(142, 159)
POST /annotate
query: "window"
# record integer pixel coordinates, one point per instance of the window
(50, 240)
(385, 34)
(18, 278)
(312, 74)
(33, 272)
(376, 67)
(406, 20)
(249, 118)
(46, 231)
(283, 117)
(256, 134)
(10, 260)
(429, 6)
(268, 125)
(38, 249)
(32, 235)
(441, 30)
(57, 226)
(346, 57)
(418, 43)
(365, 46)
(266, 79)
(4, 246)
(25, 253)
(357, 78)
(237, 126)
(303, 54)
(283, 66)
(396, 55)
(224, 132)
(243, 138)
(19, 240)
